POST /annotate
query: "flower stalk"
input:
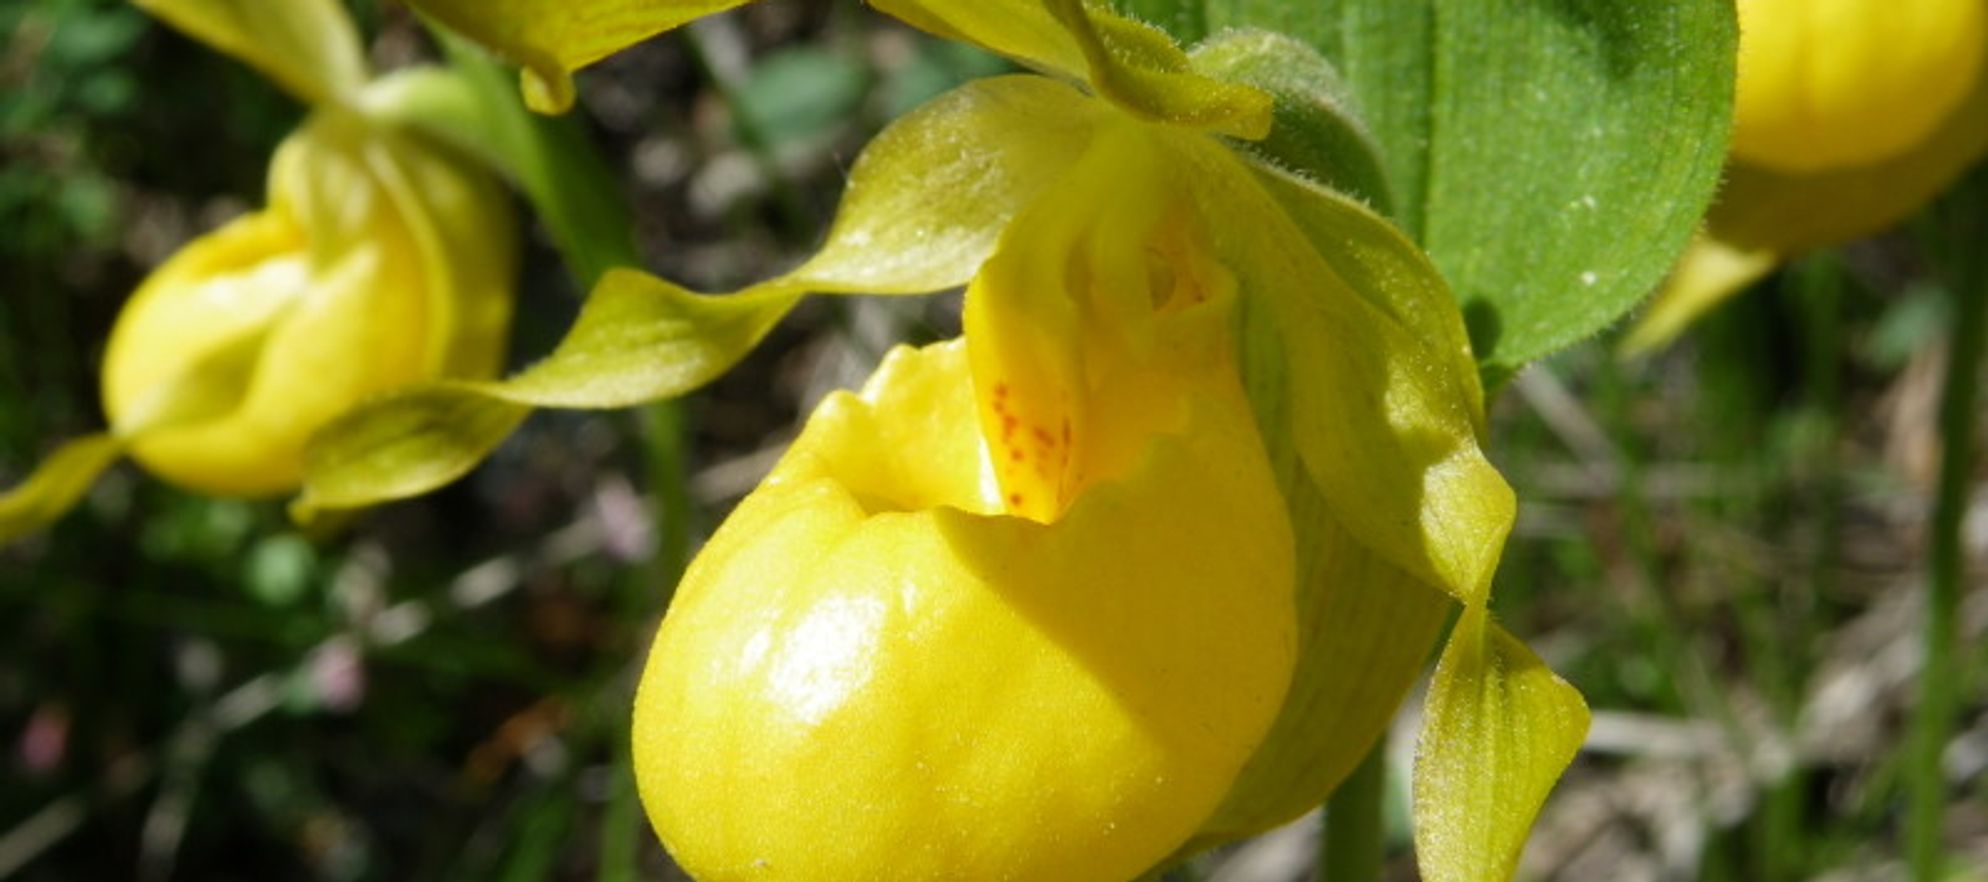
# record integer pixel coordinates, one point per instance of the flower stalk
(1933, 719)
(1355, 835)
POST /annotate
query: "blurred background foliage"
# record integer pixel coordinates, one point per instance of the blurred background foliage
(1720, 545)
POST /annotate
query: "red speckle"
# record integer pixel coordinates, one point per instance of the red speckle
(1015, 454)
(1015, 500)
(1000, 390)
(1042, 437)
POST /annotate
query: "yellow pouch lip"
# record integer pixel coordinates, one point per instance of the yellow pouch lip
(809, 485)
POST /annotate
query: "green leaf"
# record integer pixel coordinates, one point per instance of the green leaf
(1552, 156)
(1498, 730)
(797, 95)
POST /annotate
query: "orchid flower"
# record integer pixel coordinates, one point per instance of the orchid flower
(1142, 564)
(1850, 117)
(381, 259)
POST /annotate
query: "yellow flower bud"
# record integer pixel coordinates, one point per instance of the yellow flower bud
(1833, 83)
(1020, 610)
(380, 260)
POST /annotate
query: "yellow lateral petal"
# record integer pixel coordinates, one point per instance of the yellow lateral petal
(1709, 273)
(925, 205)
(1498, 730)
(1135, 65)
(553, 38)
(55, 486)
(308, 47)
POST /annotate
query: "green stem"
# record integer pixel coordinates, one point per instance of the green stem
(665, 439)
(1933, 718)
(1354, 842)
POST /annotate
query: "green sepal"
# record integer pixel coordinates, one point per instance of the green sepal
(1366, 630)
(55, 486)
(1316, 129)
(212, 387)
(1498, 729)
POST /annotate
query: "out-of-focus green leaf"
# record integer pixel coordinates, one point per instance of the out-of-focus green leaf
(1498, 730)
(796, 95)
(939, 65)
(93, 39)
(1553, 157)
(278, 569)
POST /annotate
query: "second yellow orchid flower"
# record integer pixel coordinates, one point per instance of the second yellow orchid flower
(1851, 115)
(381, 259)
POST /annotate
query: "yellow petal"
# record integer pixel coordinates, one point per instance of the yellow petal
(308, 47)
(1084, 329)
(1498, 730)
(1850, 82)
(1133, 64)
(925, 205)
(1709, 273)
(377, 264)
(869, 674)
(553, 38)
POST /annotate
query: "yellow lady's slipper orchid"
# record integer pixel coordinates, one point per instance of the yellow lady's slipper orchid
(1019, 611)
(1850, 116)
(381, 259)
(1024, 607)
